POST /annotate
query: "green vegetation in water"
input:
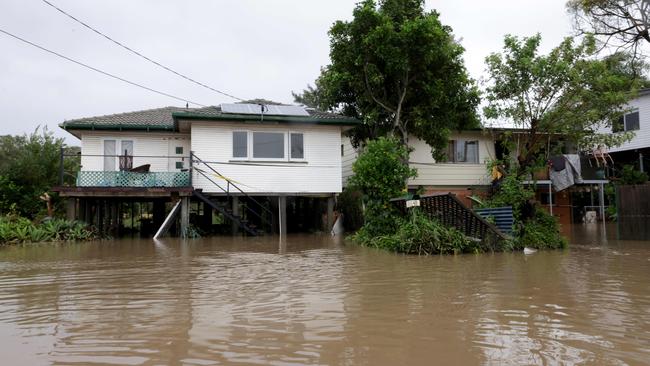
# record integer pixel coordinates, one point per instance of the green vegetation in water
(419, 234)
(16, 229)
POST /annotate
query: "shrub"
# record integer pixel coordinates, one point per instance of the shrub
(15, 229)
(419, 234)
(540, 232)
(350, 204)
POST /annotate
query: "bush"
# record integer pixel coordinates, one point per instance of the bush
(16, 229)
(419, 234)
(350, 204)
(540, 232)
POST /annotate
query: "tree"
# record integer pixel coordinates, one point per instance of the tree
(399, 70)
(564, 93)
(619, 23)
(29, 168)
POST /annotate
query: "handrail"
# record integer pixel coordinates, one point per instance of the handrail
(229, 183)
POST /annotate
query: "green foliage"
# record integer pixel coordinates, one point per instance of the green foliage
(381, 171)
(540, 232)
(631, 175)
(397, 68)
(510, 192)
(30, 167)
(16, 229)
(620, 24)
(566, 92)
(350, 204)
(418, 234)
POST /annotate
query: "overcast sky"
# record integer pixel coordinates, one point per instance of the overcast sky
(248, 48)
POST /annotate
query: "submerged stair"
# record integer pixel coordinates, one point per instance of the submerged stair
(227, 212)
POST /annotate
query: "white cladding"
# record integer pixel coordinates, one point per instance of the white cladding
(438, 174)
(157, 149)
(641, 137)
(318, 172)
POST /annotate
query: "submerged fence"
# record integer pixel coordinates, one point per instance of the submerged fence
(633, 211)
(451, 212)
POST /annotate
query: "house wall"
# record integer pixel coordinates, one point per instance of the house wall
(319, 173)
(642, 136)
(437, 174)
(148, 148)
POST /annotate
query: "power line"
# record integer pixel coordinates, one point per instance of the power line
(100, 71)
(140, 54)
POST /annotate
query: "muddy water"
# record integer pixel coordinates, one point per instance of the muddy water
(314, 300)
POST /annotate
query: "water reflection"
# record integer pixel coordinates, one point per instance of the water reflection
(316, 300)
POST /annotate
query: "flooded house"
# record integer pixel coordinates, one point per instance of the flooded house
(465, 173)
(248, 168)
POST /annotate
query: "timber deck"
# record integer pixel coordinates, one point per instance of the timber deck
(144, 192)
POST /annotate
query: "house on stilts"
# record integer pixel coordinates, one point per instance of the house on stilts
(233, 168)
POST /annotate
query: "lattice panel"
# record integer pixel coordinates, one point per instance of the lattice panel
(132, 179)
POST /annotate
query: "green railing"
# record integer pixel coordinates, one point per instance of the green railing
(132, 179)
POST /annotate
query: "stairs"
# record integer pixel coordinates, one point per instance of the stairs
(227, 212)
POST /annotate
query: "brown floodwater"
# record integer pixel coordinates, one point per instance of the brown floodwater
(318, 300)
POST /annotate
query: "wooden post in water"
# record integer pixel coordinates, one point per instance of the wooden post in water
(330, 213)
(185, 216)
(282, 215)
(235, 211)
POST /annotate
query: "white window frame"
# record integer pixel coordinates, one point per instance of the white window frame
(304, 149)
(118, 144)
(478, 152)
(248, 145)
(287, 146)
(624, 127)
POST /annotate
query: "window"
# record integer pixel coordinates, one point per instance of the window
(268, 145)
(461, 151)
(297, 146)
(240, 144)
(109, 155)
(118, 154)
(179, 150)
(628, 122)
(179, 165)
(342, 150)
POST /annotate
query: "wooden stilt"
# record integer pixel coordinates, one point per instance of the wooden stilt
(330, 213)
(70, 206)
(235, 211)
(282, 215)
(185, 216)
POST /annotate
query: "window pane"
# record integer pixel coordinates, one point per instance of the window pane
(179, 149)
(109, 155)
(240, 144)
(127, 147)
(460, 152)
(268, 145)
(297, 148)
(471, 152)
(632, 121)
(451, 155)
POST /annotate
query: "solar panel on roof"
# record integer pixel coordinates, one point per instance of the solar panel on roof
(272, 110)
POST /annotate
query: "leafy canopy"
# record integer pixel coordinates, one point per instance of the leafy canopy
(399, 70)
(566, 92)
(30, 167)
(622, 24)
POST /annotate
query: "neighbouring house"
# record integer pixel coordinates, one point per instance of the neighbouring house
(239, 167)
(464, 173)
(636, 120)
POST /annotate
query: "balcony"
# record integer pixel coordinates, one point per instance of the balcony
(133, 179)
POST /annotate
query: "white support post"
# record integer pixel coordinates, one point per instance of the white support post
(282, 215)
(550, 198)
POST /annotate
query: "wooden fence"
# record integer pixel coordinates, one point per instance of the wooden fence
(451, 212)
(633, 211)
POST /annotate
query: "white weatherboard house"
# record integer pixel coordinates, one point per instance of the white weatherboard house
(242, 160)
(464, 172)
(637, 120)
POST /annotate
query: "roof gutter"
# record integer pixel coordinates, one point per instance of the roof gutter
(281, 119)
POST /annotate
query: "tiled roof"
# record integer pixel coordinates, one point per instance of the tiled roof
(164, 118)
